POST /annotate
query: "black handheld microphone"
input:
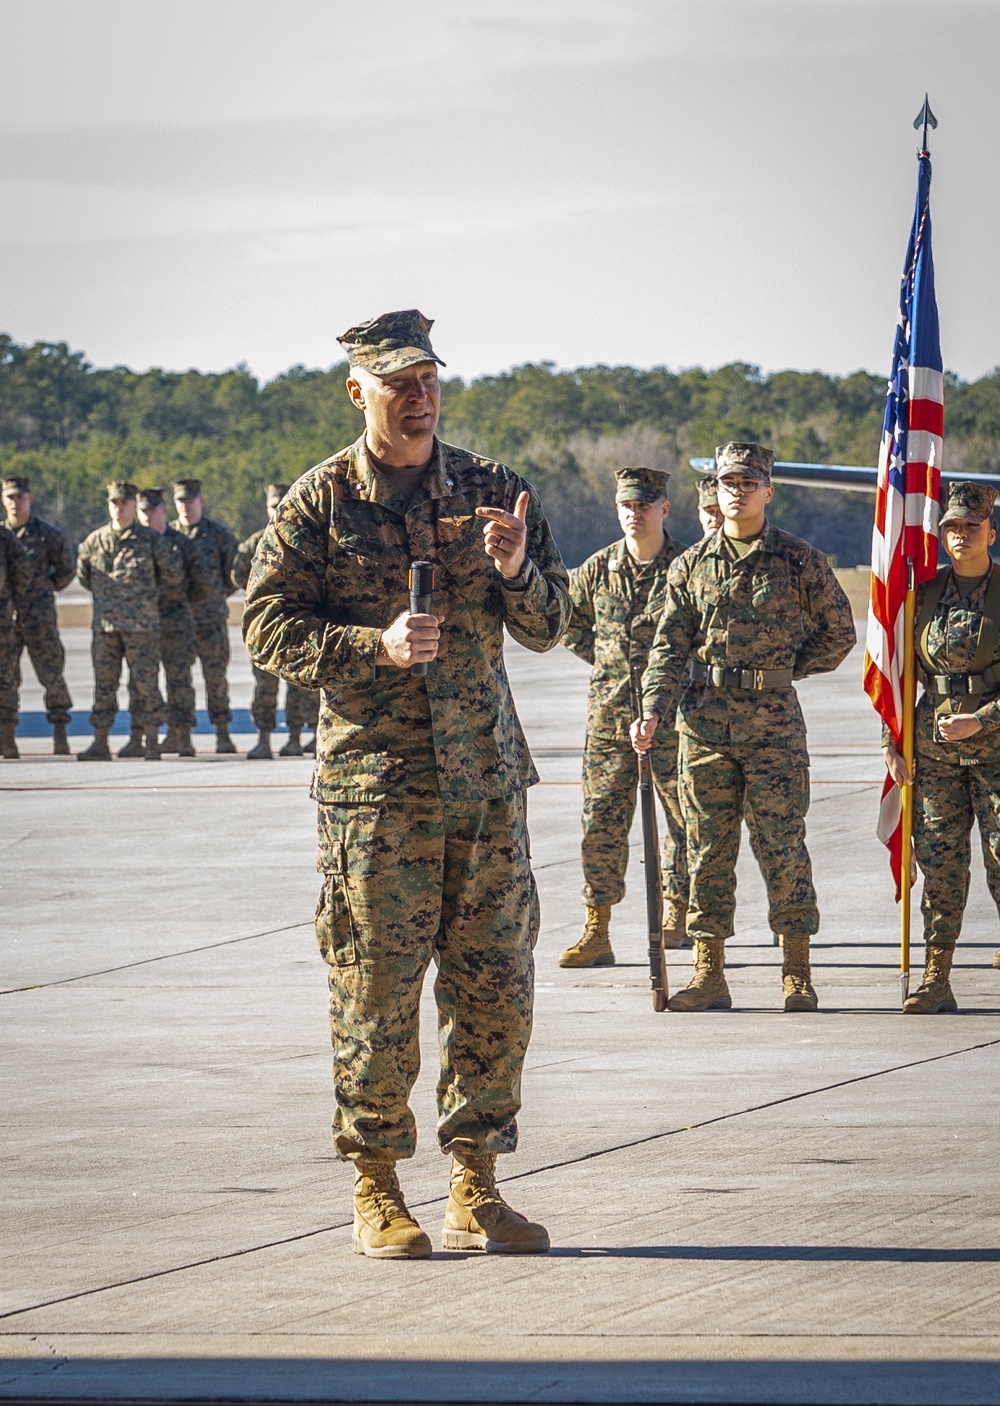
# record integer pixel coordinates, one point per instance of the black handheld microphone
(421, 586)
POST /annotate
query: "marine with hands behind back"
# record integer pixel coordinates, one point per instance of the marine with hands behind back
(15, 586)
(50, 558)
(957, 734)
(184, 581)
(217, 546)
(748, 610)
(301, 705)
(617, 596)
(121, 564)
(420, 780)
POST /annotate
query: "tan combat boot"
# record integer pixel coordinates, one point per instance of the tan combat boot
(8, 742)
(478, 1218)
(185, 747)
(223, 742)
(594, 947)
(293, 747)
(169, 745)
(151, 751)
(795, 973)
(60, 740)
(383, 1227)
(996, 958)
(708, 990)
(934, 995)
(262, 751)
(309, 748)
(134, 747)
(674, 922)
(98, 751)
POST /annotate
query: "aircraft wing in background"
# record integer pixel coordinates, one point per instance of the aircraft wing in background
(850, 478)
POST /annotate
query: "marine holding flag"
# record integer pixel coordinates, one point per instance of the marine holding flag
(420, 779)
(957, 770)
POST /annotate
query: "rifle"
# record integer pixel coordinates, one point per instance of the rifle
(651, 859)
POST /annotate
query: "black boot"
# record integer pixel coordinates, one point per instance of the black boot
(98, 751)
(262, 752)
(135, 746)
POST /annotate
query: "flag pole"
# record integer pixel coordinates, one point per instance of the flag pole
(909, 690)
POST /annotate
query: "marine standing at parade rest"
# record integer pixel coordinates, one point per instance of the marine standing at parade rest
(301, 707)
(957, 763)
(748, 610)
(420, 780)
(184, 581)
(51, 559)
(120, 564)
(711, 519)
(15, 585)
(617, 596)
(217, 546)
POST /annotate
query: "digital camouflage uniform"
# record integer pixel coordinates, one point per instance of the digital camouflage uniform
(16, 578)
(955, 782)
(616, 605)
(301, 705)
(217, 547)
(51, 560)
(420, 783)
(779, 607)
(122, 570)
(183, 582)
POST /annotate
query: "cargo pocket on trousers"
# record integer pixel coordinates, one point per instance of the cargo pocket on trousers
(334, 924)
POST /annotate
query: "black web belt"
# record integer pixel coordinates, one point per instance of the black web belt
(717, 676)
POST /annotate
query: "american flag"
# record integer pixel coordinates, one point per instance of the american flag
(907, 503)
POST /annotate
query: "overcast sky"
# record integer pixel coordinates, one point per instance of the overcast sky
(654, 182)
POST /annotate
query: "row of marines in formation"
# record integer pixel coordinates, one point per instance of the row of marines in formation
(160, 597)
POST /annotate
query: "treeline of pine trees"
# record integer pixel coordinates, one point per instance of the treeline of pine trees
(72, 427)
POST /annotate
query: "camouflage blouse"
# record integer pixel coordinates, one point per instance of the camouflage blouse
(952, 637)
(616, 607)
(778, 607)
(330, 573)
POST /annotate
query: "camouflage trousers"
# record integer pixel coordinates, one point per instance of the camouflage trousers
(38, 633)
(212, 647)
(177, 654)
(946, 800)
(8, 666)
(141, 650)
(715, 786)
(610, 784)
(405, 884)
(301, 704)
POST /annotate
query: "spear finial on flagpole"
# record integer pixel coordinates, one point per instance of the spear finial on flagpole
(927, 118)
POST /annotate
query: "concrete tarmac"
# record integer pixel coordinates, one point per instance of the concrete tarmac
(744, 1206)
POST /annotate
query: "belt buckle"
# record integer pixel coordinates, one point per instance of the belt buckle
(758, 679)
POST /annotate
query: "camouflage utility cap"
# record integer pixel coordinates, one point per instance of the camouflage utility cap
(18, 482)
(635, 485)
(390, 343)
(708, 492)
(274, 494)
(753, 460)
(120, 490)
(969, 502)
(150, 498)
(186, 487)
